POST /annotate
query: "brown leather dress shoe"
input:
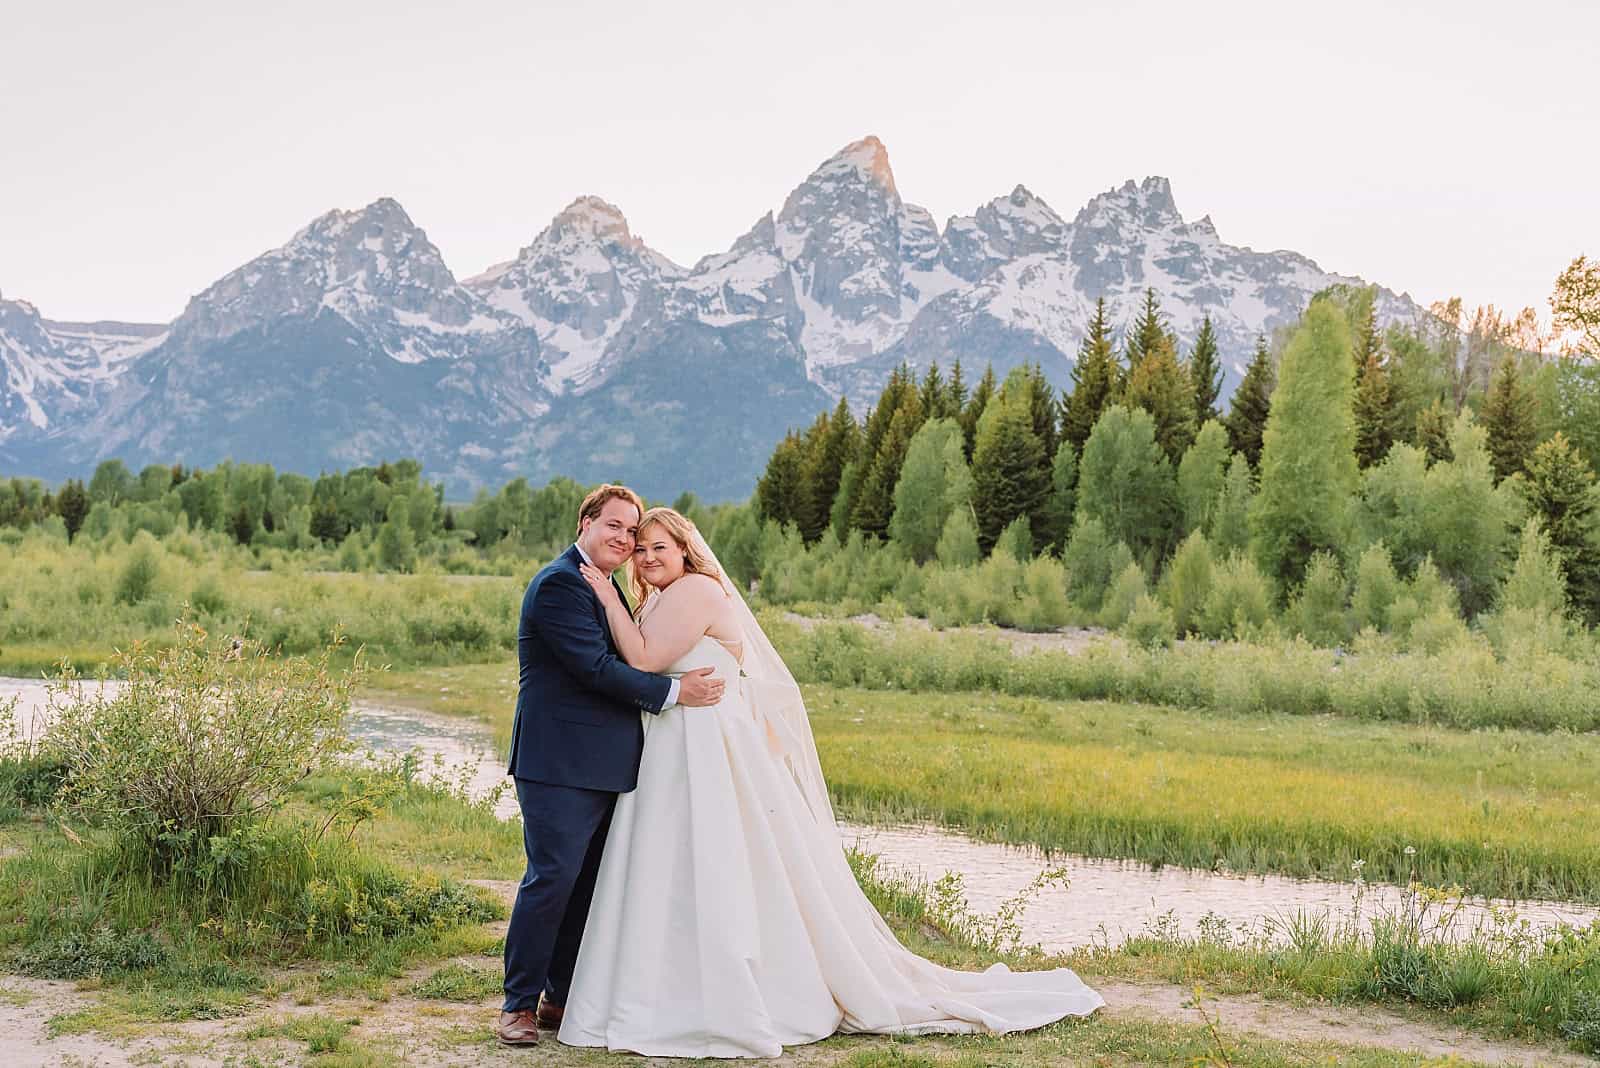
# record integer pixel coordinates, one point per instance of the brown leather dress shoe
(550, 1015)
(518, 1028)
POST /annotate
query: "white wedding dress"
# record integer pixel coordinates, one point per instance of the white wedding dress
(726, 921)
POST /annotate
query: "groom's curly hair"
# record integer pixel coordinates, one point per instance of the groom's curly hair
(606, 491)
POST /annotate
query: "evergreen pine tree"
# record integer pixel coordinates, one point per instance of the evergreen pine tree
(1252, 402)
(955, 391)
(1161, 387)
(1377, 413)
(874, 503)
(1149, 330)
(1205, 371)
(1043, 403)
(1308, 460)
(833, 444)
(1008, 469)
(780, 490)
(933, 392)
(1510, 415)
(1368, 342)
(72, 505)
(1096, 379)
(1560, 490)
(974, 409)
(1434, 426)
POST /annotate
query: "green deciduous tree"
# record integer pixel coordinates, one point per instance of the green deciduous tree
(1308, 460)
(1059, 506)
(1201, 474)
(1125, 481)
(1230, 519)
(934, 481)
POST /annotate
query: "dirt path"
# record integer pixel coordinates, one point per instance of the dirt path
(409, 1029)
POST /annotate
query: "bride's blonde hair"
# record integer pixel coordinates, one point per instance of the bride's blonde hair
(683, 531)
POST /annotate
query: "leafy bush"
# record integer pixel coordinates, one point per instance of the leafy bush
(1582, 1024)
(1042, 601)
(1240, 602)
(138, 578)
(1150, 624)
(1318, 612)
(1377, 586)
(202, 738)
(1124, 594)
(1187, 582)
(1092, 561)
(98, 951)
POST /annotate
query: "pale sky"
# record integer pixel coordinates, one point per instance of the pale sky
(1438, 148)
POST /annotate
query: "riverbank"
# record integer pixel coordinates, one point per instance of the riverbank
(1501, 813)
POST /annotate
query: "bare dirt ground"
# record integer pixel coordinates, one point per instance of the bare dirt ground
(405, 1029)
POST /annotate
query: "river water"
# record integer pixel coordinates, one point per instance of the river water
(1101, 901)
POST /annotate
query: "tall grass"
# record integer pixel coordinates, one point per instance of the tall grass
(84, 600)
(1507, 814)
(1464, 684)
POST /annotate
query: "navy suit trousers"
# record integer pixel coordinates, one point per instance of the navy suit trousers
(563, 832)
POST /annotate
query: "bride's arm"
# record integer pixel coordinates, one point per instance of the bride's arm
(674, 626)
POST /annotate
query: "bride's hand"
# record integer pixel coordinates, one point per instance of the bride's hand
(601, 585)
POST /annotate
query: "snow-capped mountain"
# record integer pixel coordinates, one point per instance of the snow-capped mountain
(49, 370)
(577, 285)
(592, 355)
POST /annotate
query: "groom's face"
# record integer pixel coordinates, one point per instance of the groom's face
(608, 537)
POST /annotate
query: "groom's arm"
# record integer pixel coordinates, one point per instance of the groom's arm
(563, 614)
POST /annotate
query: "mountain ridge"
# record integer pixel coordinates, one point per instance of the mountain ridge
(354, 341)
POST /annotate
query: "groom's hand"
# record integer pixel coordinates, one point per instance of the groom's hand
(699, 688)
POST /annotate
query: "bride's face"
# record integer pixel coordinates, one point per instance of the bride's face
(658, 558)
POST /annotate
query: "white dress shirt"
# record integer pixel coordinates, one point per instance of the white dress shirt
(672, 691)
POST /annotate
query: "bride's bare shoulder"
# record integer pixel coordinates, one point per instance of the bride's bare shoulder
(699, 587)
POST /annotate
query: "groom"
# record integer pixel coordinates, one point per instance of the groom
(575, 744)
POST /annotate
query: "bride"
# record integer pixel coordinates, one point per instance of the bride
(726, 921)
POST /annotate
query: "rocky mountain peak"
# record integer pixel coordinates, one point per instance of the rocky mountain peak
(374, 267)
(865, 160)
(1132, 207)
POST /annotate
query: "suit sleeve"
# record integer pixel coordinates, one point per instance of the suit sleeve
(564, 616)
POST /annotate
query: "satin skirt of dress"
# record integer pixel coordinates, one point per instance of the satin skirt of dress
(726, 921)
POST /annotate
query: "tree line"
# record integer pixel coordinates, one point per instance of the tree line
(1435, 441)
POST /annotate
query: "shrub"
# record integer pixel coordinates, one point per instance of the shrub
(1092, 561)
(138, 577)
(1042, 601)
(1318, 612)
(98, 951)
(1188, 581)
(1124, 594)
(1150, 624)
(1016, 540)
(1240, 602)
(958, 542)
(1377, 586)
(202, 737)
(1536, 582)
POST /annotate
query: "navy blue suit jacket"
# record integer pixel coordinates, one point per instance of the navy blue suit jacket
(578, 703)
